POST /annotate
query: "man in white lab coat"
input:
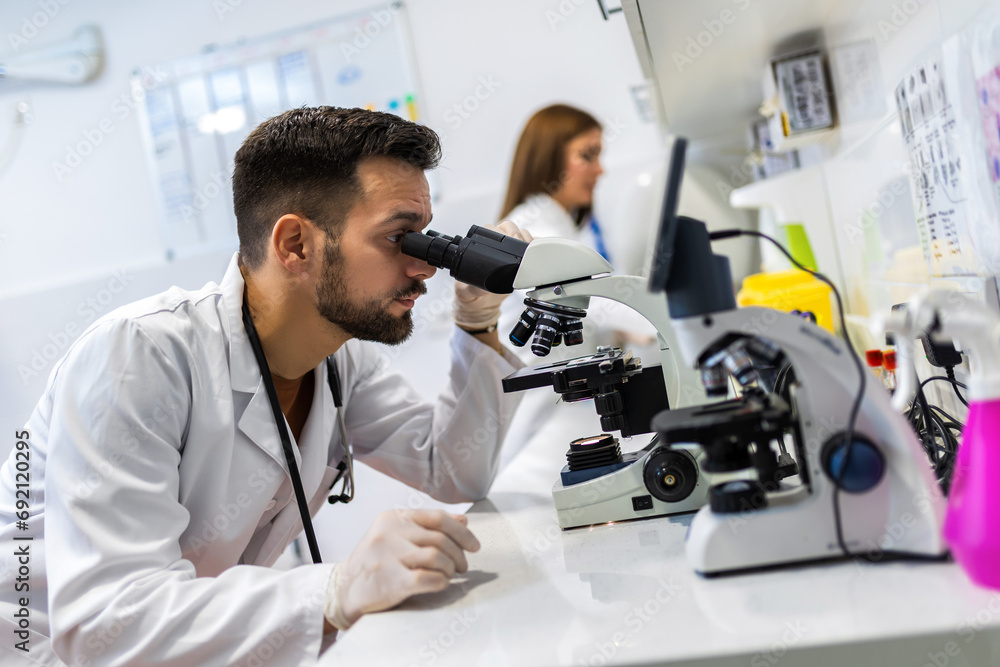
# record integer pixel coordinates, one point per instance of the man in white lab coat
(149, 492)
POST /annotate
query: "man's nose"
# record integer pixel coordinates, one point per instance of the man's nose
(418, 268)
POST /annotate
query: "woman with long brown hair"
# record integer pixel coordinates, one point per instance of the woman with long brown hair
(552, 177)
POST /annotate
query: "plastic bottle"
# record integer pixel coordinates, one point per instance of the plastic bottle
(972, 520)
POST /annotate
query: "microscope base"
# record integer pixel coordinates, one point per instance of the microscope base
(798, 528)
(622, 496)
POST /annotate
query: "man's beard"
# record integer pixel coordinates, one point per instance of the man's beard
(369, 320)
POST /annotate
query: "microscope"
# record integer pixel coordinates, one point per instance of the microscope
(599, 483)
(865, 484)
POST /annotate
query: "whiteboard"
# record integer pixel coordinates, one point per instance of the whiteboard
(196, 111)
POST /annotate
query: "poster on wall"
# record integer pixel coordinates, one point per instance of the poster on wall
(929, 128)
(944, 108)
(197, 110)
(984, 45)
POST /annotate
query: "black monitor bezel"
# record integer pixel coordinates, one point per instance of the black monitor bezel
(663, 251)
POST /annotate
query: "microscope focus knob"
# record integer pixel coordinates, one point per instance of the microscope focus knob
(856, 467)
(613, 422)
(741, 495)
(670, 474)
(610, 407)
(609, 404)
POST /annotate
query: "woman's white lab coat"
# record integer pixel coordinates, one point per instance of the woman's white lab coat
(159, 491)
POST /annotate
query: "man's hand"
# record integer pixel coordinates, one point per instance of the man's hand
(477, 309)
(404, 553)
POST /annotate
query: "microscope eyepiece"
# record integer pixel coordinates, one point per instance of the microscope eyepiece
(436, 249)
(486, 259)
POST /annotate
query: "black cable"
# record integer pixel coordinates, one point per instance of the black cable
(942, 378)
(935, 452)
(947, 416)
(862, 373)
(931, 423)
(921, 400)
(955, 384)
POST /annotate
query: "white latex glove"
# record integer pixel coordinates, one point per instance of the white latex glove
(477, 309)
(404, 553)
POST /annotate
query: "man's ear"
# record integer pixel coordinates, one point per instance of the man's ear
(297, 242)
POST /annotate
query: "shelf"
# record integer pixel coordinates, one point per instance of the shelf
(769, 191)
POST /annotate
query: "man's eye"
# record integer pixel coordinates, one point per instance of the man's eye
(395, 238)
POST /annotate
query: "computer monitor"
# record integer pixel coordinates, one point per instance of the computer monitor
(697, 282)
(663, 251)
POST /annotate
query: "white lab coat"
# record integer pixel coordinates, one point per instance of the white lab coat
(541, 216)
(159, 491)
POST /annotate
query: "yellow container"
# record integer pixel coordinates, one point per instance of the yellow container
(787, 291)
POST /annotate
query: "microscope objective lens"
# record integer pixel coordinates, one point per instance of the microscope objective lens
(525, 326)
(546, 332)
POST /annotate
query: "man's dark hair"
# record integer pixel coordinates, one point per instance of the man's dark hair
(305, 162)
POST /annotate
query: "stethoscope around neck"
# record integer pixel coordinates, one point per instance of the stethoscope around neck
(346, 464)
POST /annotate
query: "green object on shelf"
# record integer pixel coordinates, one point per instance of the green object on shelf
(798, 245)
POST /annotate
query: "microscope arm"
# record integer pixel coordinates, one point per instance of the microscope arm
(683, 383)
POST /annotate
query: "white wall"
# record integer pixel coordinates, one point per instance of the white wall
(75, 247)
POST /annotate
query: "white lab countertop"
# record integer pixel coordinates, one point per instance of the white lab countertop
(624, 594)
